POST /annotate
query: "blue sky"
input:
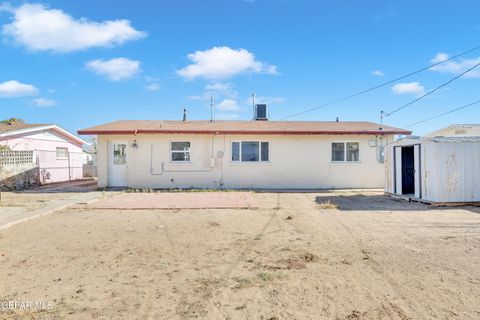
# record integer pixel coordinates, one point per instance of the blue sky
(82, 63)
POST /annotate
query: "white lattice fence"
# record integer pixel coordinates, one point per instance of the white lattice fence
(18, 169)
(11, 158)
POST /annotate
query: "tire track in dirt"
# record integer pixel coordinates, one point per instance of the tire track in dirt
(392, 310)
(414, 298)
(146, 308)
(184, 307)
(326, 236)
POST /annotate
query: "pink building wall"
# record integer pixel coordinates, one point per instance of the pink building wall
(45, 144)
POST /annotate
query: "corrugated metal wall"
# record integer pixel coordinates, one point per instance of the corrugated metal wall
(452, 171)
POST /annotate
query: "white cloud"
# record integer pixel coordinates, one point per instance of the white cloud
(226, 89)
(13, 88)
(219, 86)
(5, 6)
(115, 69)
(151, 79)
(198, 97)
(228, 105)
(42, 29)
(408, 88)
(42, 102)
(154, 86)
(223, 63)
(267, 100)
(217, 90)
(439, 57)
(378, 73)
(456, 67)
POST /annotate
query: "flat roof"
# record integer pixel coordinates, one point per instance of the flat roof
(241, 127)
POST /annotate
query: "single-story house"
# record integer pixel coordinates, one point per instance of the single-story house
(434, 170)
(241, 154)
(58, 154)
(457, 130)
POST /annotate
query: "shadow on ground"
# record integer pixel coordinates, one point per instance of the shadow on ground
(365, 202)
(85, 185)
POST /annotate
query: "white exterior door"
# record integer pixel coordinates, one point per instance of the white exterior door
(118, 164)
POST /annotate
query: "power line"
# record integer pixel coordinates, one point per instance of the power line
(432, 91)
(442, 114)
(380, 85)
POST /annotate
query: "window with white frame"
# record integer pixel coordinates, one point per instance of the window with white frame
(119, 153)
(250, 151)
(62, 153)
(180, 151)
(345, 151)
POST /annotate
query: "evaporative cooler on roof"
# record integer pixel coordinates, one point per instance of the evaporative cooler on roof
(261, 112)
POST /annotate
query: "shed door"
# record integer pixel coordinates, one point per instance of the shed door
(117, 171)
(408, 170)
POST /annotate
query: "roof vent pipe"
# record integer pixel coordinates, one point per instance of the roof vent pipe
(184, 115)
(337, 119)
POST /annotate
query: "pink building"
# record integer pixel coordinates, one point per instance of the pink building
(59, 154)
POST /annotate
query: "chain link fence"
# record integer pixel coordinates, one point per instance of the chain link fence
(64, 166)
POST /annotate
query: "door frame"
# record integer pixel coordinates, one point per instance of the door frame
(398, 170)
(111, 165)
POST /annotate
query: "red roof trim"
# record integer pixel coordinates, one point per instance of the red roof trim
(264, 132)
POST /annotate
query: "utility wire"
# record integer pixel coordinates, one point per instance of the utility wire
(431, 91)
(380, 85)
(442, 114)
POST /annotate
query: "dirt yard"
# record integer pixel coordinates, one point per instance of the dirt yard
(297, 256)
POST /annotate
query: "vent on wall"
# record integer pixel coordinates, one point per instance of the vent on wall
(260, 112)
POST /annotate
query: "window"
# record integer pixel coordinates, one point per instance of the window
(352, 151)
(345, 151)
(264, 151)
(119, 153)
(250, 151)
(180, 151)
(62, 153)
(235, 151)
(338, 151)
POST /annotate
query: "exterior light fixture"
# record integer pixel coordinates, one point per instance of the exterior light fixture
(135, 144)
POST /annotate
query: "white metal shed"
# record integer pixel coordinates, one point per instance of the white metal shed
(434, 170)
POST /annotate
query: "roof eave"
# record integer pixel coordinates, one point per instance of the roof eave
(40, 128)
(232, 132)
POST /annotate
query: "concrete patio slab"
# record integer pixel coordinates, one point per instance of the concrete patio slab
(177, 200)
(17, 208)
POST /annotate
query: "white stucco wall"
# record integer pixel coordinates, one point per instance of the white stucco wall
(302, 161)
